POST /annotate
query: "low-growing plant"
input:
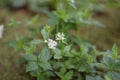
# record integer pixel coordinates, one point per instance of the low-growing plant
(53, 57)
(50, 53)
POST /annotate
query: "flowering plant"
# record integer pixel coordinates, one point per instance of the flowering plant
(51, 43)
(54, 54)
(58, 60)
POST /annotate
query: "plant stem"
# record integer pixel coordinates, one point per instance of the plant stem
(38, 73)
(38, 76)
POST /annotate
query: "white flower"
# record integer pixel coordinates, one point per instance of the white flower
(51, 43)
(60, 37)
(1, 30)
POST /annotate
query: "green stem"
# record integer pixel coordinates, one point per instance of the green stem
(38, 76)
(38, 73)
(57, 29)
(57, 26)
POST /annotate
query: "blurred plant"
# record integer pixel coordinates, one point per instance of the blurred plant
(50, 52)
(71, 15)
(43, 5)
(13, 22)
(58, 59)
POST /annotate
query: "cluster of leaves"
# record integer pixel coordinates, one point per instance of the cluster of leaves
(68, 14)
(67, 62)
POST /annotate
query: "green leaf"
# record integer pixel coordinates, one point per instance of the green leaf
(67, 49)
(53, 20)
(109, 62)
(91, 58)
(45, 66)
(62, 70)
(114, 75)
(33, 20)
(117, 66)
(31, 66)
(57, 54)
(115, 51)
(89, 77)
(67, 52)
(100, 66)
(44, 34)
(69, 75)
(44, 56)
(19, 44)
(84, 66)
(30, 57)
(98, 78)
(56, 64)
(30, 49)
(36, 41)
(58, 74)
(33, 73)
(13, 22)
(107, 77)
(69, 64)
(34, 31)
(62, 14)
(72, 5)
(84, 49)
(61, 73)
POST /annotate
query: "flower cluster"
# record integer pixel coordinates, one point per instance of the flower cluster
(60, 37)
(52, 43)
(1, 31)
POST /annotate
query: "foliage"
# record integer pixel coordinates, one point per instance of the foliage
(65, 62)
(43, 5)
(52, 53)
